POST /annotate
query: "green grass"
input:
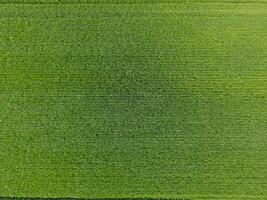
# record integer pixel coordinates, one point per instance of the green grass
(154, 99)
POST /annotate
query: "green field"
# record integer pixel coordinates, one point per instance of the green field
(125, 99)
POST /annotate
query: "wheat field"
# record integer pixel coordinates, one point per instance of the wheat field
(133, 99)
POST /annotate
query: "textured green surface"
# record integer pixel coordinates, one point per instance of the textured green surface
(133, 99)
